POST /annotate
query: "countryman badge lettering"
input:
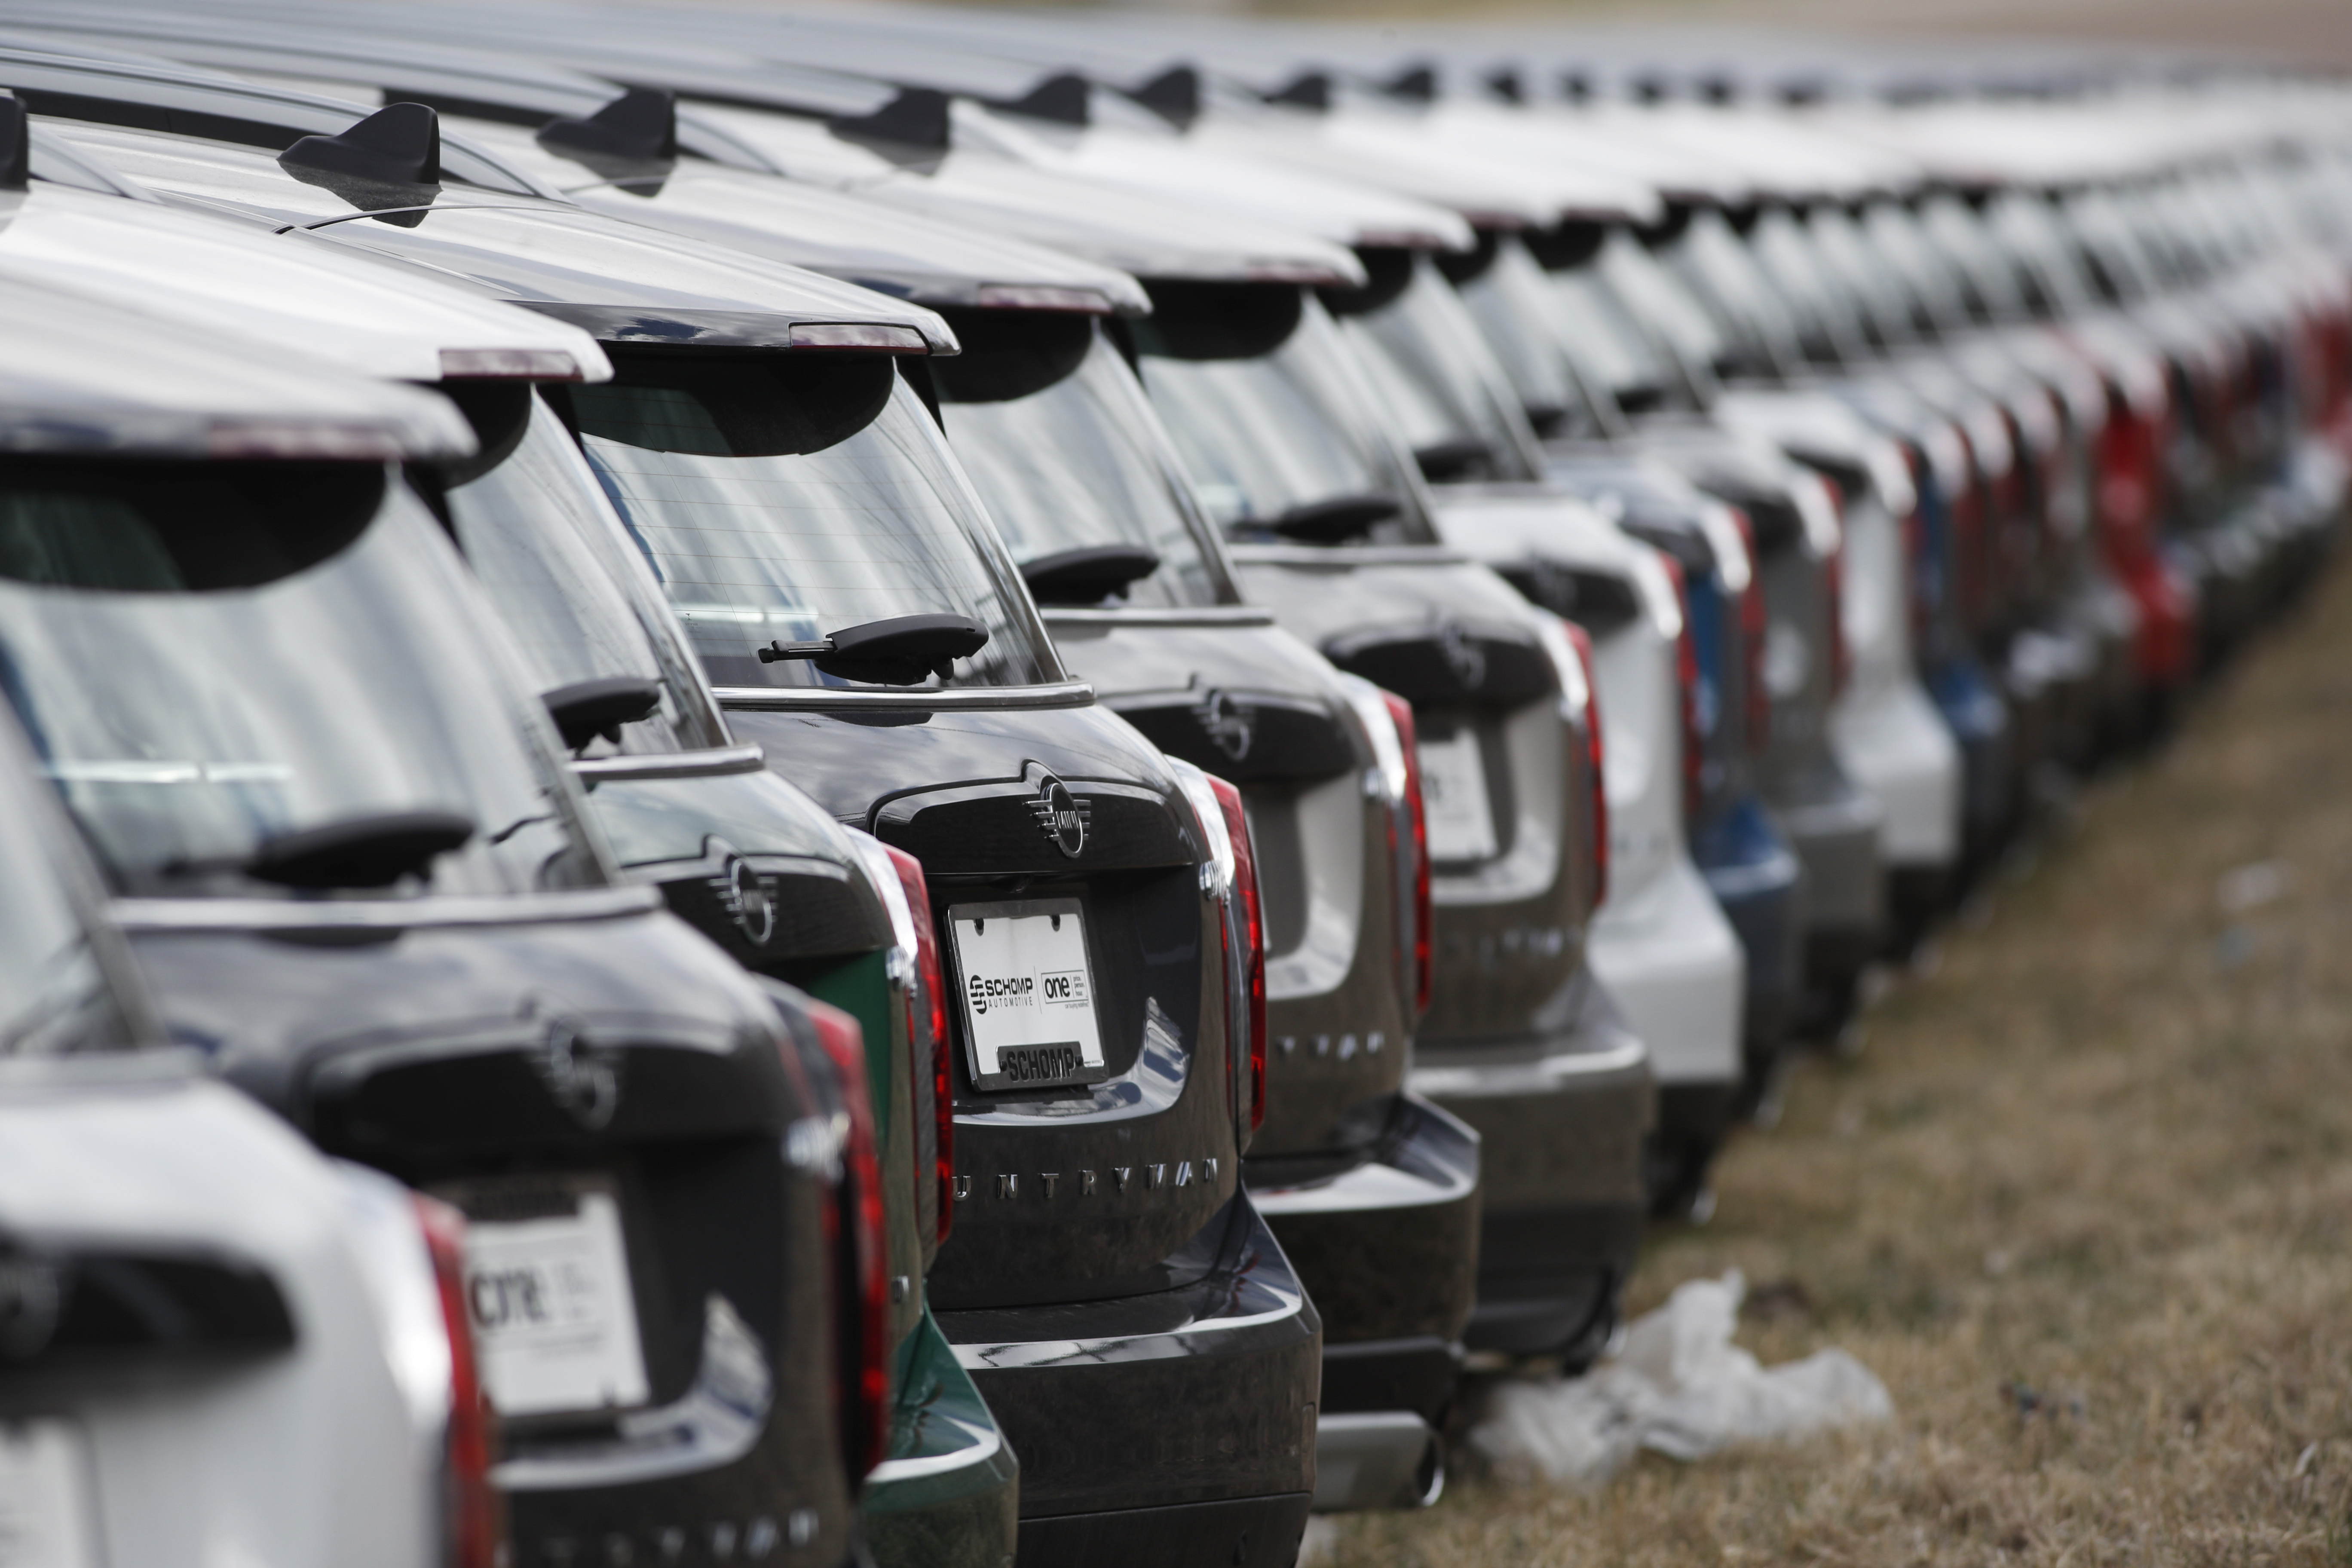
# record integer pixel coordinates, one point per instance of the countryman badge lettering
(1045, 1186)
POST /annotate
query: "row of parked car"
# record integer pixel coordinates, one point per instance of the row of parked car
(948, 787)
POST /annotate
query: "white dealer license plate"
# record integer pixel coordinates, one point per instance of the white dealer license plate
(1453, 799)
(1028, 993)
(554, 1317)
(46, 1517)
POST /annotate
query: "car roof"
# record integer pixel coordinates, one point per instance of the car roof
(722, 196)
(78, 376)
(292, 292)
(210, 143)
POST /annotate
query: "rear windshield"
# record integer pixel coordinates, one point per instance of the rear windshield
(1266, 406)
(1961, 235)
(1430, 362)
(1053, 430)
(1645, 289)
(575, 595)
(1828, 314)
(780, 497)
(55, 994)
(1886, 305)
(210, 657)
(1605, 344)
(2030, 228)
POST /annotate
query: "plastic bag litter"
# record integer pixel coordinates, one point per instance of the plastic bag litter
(1679, 1386)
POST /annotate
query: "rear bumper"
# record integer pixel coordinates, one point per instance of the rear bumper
(1248, 1533)
(1979, 721)
(1389, 1249)
(1562, 1125)
(1165, 1403)
(1890, 741)
(1834, 828)
(1674, 966)
(949, 1496)
(1556, 1278)
(1755, 876)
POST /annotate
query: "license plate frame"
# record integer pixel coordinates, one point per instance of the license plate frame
(1456, 806)
(551, 1297)
(49, 1495)
(1005, 990)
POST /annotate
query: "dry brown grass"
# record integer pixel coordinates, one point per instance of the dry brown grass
(2100, 1153)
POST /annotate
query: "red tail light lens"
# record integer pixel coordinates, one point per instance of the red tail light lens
(1686, 683)
(1252, 1092)
(473, 1519)
(1424, 928)
(1756, 701)
(859, 1253)
(1596, 755)
(926, 1028)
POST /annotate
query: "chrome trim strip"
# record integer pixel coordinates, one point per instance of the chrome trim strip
(1058, 694)
(1332, 556)
(672, 765)
(1153, 615)
(979, 1445)
(1151, 1345)
(1545, 1074)
(381, 914)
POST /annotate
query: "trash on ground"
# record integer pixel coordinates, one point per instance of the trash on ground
(2245, 888)
(1678, 1387)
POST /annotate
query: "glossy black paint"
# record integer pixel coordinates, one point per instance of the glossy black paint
(425, 1052)
(1195, 1395)
(1111, 1210)
(1565, 1197)
(1398, 1252)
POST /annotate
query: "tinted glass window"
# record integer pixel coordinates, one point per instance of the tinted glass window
(54, 991)
(575, 595)
(782, 497)
(1431, 364)
(1053, 429)
(209, 658)
(1268, 411)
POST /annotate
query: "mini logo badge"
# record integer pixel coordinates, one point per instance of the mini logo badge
(1229, 725)
(1062, 816)
(586, 1086)
(1467, 659)
(744, 897)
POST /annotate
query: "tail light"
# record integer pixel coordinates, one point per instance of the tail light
(1424, 931)
(473, 1522)
(1250, 1091)
(1686, 683)
(1596, 757)
(1756, 704)
(927, 1027)
(863, 1393)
